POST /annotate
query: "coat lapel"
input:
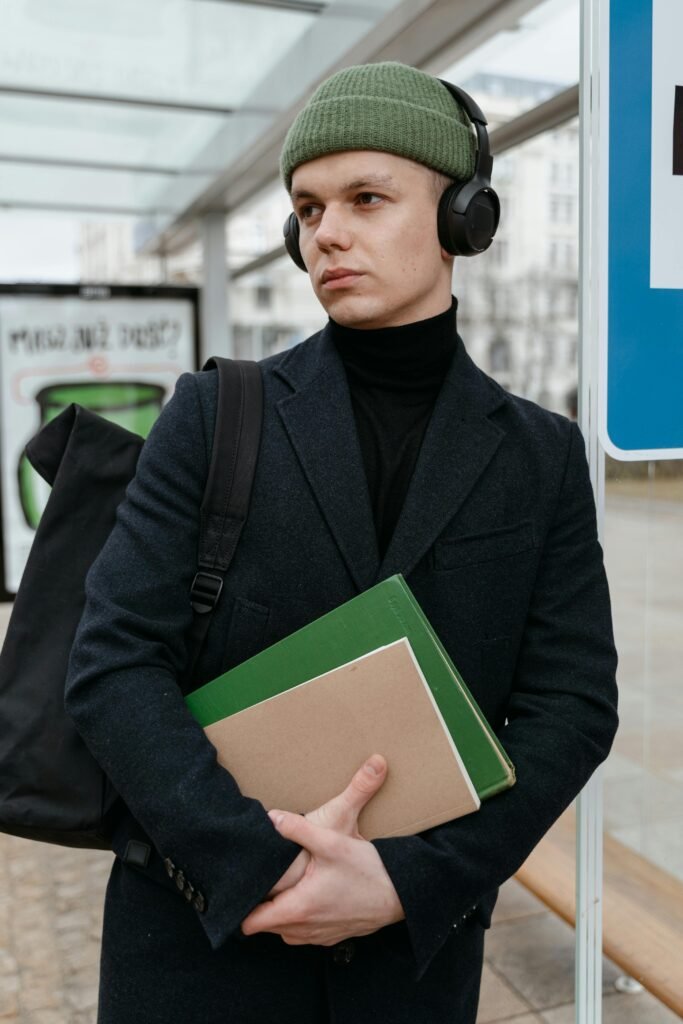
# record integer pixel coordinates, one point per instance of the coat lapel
(459, 443)
(320, 424)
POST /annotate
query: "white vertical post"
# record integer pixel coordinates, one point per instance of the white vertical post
(214, 311)
(589, 820)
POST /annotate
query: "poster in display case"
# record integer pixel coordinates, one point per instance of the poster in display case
(115, 350)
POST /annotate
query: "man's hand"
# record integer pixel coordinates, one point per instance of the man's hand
(345, 889)
(340, 814)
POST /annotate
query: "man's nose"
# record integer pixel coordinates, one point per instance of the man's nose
(332, 230)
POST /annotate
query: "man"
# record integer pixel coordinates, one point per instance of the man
(384, 450)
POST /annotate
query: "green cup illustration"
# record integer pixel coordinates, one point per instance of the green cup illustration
(132, 404)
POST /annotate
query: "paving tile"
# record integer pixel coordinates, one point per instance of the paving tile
(498, 1001)
(9, 999)
(535, 955)
(516, 901)
(44, 1017)
(40, 994)
(526, 1018)
(619, 1009)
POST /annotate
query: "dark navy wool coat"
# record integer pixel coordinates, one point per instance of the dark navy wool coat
(497, 539)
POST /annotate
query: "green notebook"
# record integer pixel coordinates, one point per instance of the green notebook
(379, 616)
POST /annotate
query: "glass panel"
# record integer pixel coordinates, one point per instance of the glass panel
(38, 248)
(518, 308)
(256, 227)
(169, 50)
(644, 515)
(68, 130)
(644, 775)
(292, 312)
(81, 189)
(526, 65)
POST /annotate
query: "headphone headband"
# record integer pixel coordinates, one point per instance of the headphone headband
(484, 161)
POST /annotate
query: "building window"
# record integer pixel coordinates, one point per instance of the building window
(264, 296)
(562, 209)
(499, 355)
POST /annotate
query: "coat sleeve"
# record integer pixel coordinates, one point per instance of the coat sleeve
(561, 720)
(122, 692)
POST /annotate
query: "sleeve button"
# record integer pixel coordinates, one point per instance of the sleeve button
(180, 880)
(198, 902)
(170, 866)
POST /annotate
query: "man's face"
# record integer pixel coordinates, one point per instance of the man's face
(374, 215)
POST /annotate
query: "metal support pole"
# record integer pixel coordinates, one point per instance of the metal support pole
(589, 819)
(216, 336)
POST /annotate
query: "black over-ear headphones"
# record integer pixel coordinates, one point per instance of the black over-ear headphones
(468, 212)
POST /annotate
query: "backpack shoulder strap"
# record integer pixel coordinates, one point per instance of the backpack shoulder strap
(225, 506)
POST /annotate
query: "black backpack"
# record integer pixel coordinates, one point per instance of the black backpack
(51, 788)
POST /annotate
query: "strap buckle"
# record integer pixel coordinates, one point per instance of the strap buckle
(205, 591)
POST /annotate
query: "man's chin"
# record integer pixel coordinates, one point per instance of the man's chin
(352, 310)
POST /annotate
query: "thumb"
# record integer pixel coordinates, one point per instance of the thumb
(364, 784)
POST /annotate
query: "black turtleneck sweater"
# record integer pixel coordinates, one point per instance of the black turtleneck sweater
(394, 375)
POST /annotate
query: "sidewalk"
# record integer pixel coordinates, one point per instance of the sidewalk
(51, 920)
(50, 927)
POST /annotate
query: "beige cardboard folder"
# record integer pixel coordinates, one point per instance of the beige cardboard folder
(297, 750)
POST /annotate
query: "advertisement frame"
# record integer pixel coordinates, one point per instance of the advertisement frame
(94, 293)
(640, 362)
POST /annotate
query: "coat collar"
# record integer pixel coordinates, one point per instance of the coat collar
(459, 442)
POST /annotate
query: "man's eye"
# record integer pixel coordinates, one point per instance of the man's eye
(307, 211)
(365, 196)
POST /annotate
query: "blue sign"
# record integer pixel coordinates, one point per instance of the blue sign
(643, 340)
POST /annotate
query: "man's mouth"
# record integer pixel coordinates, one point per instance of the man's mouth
(340, 277)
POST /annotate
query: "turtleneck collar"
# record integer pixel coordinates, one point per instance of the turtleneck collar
(410, 357)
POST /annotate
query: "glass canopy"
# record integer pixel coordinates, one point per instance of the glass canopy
(134, 109)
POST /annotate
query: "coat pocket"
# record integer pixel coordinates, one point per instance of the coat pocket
(247, 632)
(471, 549)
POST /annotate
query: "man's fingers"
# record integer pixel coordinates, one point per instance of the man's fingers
(271, 915)
(314, 838)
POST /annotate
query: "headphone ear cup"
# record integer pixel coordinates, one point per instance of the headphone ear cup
(467, 218)
(290, 231)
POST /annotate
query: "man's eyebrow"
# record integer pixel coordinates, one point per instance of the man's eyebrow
(301, 193)
(369, 179)
(384, 180)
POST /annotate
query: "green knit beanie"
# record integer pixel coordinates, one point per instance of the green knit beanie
(389, 106)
